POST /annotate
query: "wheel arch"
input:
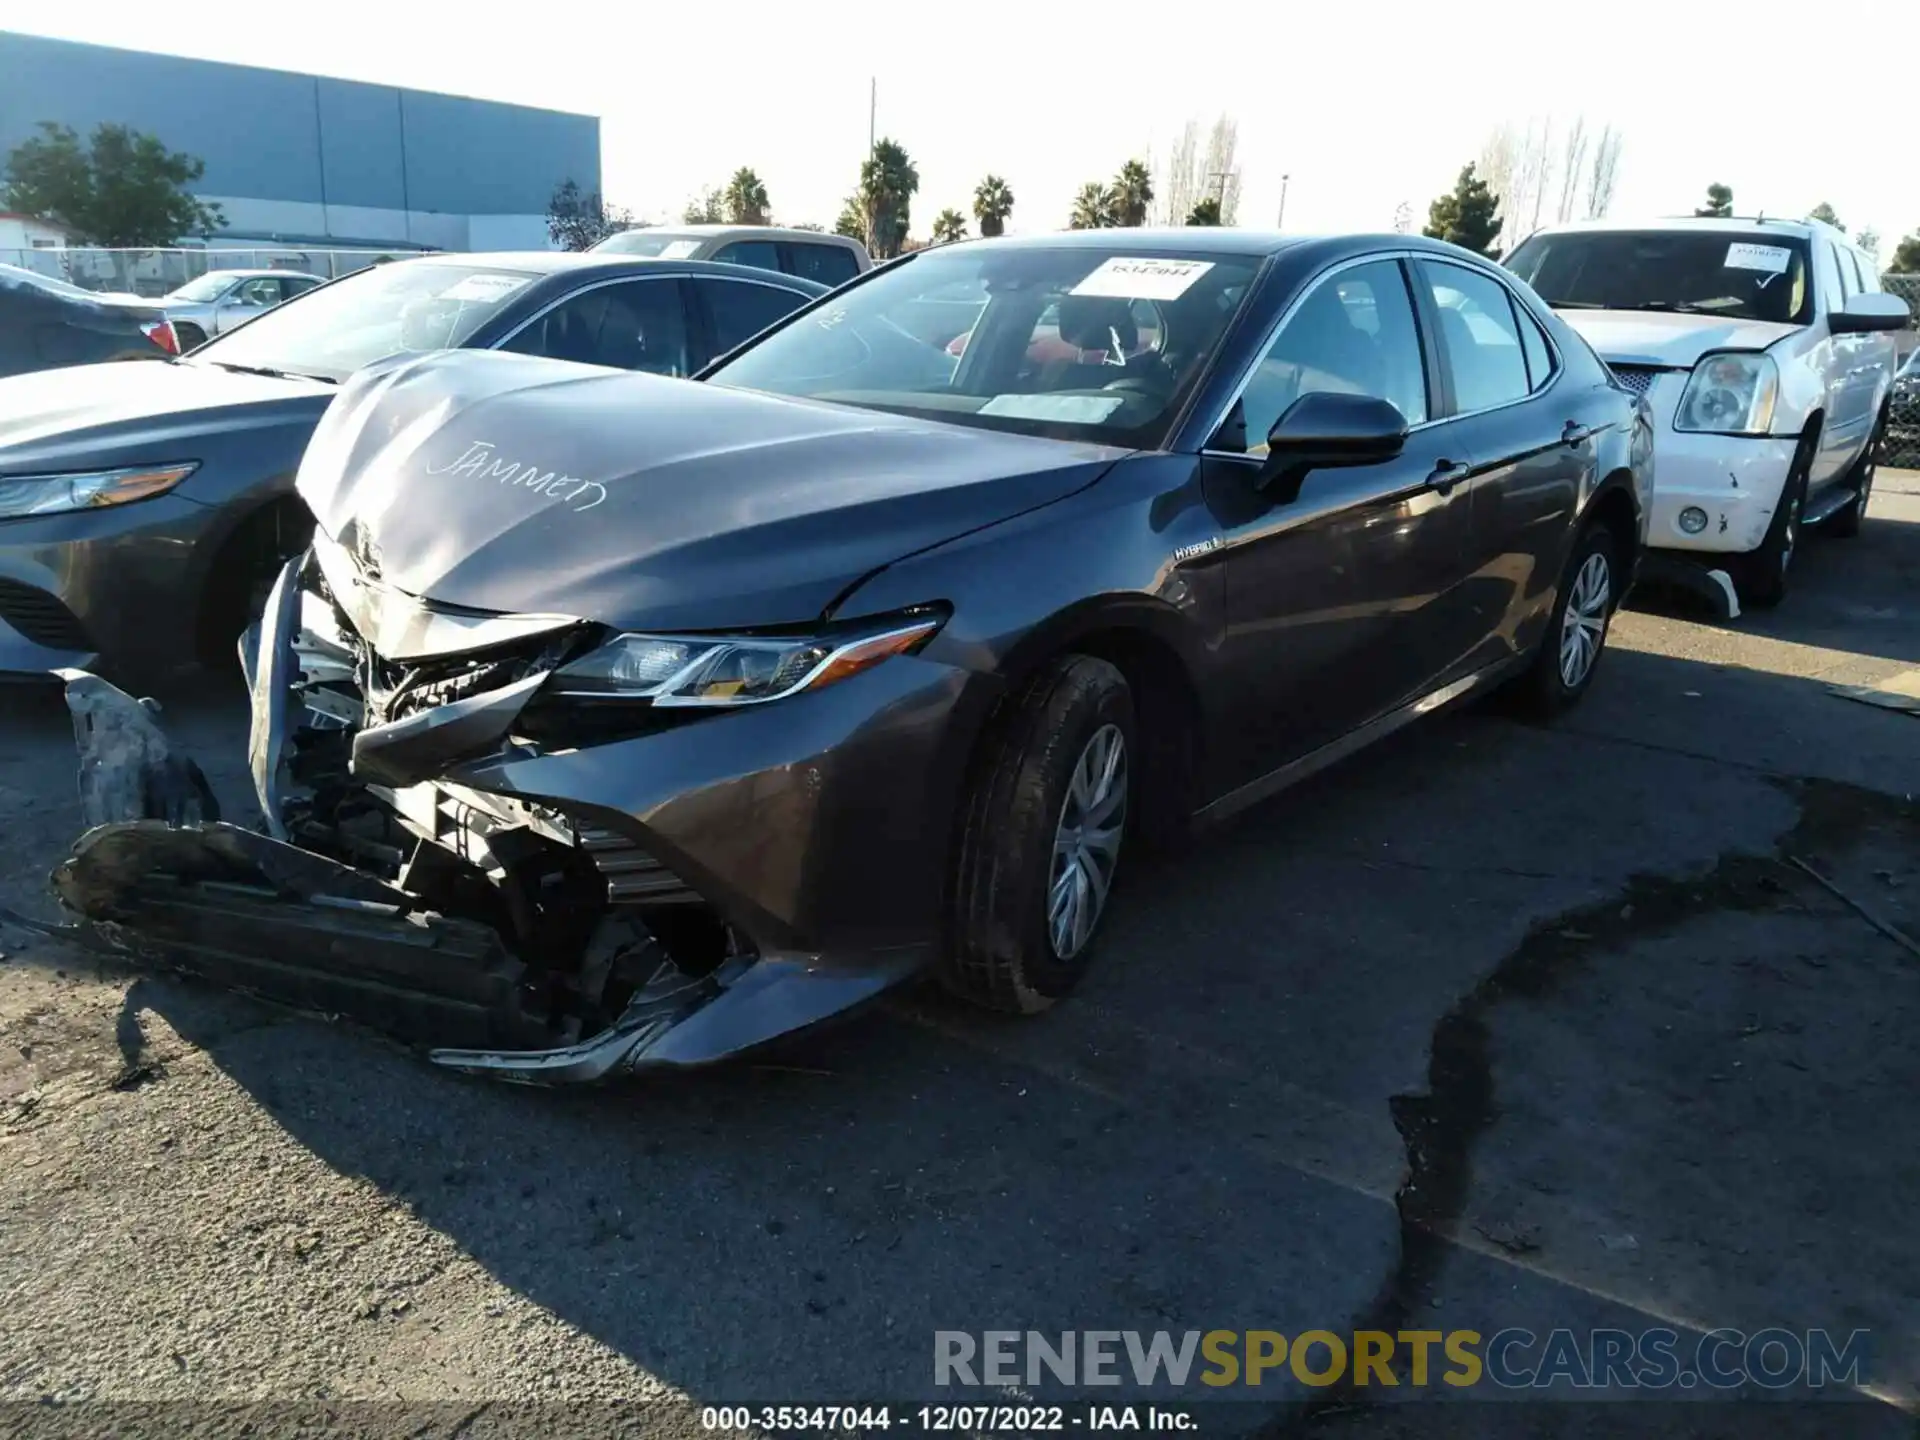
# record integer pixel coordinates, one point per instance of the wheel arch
(236, 555)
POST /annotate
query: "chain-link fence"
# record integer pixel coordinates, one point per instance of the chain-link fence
(1903, 414)
(150, 273)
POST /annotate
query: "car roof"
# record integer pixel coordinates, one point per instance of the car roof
(561, 262)
(746, 232)
(1192, 239)
(257, 274)
(1681, 224)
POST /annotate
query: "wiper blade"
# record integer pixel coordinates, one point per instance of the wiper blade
(1672, 308)
(270, 373)
(1575, 305)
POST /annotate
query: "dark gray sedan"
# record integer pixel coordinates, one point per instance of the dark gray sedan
(143, 508)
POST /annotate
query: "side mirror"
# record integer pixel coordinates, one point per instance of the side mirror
(1870, 312)
(1323, 431)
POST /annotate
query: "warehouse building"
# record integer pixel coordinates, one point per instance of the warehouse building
(302, 159)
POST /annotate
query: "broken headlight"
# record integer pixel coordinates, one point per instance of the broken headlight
(90, 490)
(736, 670)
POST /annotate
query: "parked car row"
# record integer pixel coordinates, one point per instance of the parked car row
(606, 721)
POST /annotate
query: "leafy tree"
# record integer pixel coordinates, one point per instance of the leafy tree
(1132, 193)
(1093, 207)
(1719, 204)
(948, 226)
(807, 225)
(707, 208)
(1906, 256)
(1205, 212)
(1467, 215)
(1869, 241)
(992, 204)
(1824, 212)
(579, 222)
(745, 199)
(853, 220)
(122, 188)
(888, 183)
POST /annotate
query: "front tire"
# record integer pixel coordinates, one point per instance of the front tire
(1576, 638)
(1045, 816)
(1763, 574)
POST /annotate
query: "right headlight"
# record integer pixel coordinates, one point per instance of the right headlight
(1732, 393)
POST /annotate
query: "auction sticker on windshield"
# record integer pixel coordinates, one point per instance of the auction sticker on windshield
(1141, 278)
(484, 287)
(679, 249)
(1066, 409)
(1773, 259)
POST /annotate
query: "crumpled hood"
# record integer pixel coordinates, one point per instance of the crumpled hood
(1648, 337)
(506, 483)
(138, 412)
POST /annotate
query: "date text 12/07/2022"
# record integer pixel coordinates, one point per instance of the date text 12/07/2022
(947, 1419)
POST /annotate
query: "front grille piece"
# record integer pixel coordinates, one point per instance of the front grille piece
(41, 618)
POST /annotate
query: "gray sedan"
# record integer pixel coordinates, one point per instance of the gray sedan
(221, 299)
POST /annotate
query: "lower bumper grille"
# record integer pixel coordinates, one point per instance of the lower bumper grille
(633, 876)
(41, 617)
(1637, 378)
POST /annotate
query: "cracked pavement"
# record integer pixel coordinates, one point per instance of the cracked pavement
(1493, 1025)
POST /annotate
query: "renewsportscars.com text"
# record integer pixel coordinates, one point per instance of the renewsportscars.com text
(1512, 1358)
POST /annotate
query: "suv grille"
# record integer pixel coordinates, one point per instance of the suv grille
(41, 617)
(1637, 378)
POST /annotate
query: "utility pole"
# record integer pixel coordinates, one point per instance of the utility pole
(1281, 223)
(873, 110)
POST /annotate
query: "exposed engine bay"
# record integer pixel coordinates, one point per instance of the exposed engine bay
(512, 938)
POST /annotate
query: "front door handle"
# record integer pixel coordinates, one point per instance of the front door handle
(1446, 475)
(1577, 434)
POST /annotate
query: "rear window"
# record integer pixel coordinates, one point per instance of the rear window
(1760, 275)
(828, 264)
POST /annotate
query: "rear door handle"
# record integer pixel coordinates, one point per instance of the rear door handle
(1446, 475)
(1577, 434)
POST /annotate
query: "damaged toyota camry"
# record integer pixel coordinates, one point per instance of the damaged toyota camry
(616, 722)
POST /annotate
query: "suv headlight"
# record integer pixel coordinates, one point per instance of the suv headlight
(1732, 393)
(736, 670)
(88, 490)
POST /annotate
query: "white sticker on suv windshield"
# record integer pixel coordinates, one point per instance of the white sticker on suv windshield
(1126, 277)
(678, 249)
(484, 288)
(1064, 409)
(1773, 259)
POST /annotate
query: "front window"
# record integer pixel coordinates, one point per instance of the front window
(1068, 341)
(206, 288)
(650, 244)
(380, 311)
(1734, 274)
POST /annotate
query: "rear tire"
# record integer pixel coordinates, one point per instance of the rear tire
(1762, 575)
(1045, 816)
(188, 336)
(1847, 520)
(1569, 656)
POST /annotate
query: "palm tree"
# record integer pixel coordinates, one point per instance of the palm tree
(746, 198)
(1206, 212)
(1132, 192)
(948, 226)
(992, 204)
(1092, 207)
(888, 183)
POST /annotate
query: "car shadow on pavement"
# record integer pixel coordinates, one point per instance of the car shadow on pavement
(1213, 1134)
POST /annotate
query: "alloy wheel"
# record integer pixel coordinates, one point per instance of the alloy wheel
(1086, 843)
(1583, 627)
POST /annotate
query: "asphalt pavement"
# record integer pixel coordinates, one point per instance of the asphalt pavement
(1494, 1026)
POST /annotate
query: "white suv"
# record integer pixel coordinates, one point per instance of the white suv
(1762, 348)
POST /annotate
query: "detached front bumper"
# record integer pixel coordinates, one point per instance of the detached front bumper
(1736, 481)
(814, 830)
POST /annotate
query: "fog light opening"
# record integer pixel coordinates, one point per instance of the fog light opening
(1693, 520)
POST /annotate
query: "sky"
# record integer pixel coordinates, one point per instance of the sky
(1361, 106)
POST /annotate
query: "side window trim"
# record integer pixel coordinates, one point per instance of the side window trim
(1841, 266)
(1258, 353)
(1424, 292)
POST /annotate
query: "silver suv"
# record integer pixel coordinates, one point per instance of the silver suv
(810, 254)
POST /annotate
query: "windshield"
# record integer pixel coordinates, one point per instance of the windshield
(651, 244)
(1761, 276)
(383, 310)
(1070, 342)
(210, 286)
